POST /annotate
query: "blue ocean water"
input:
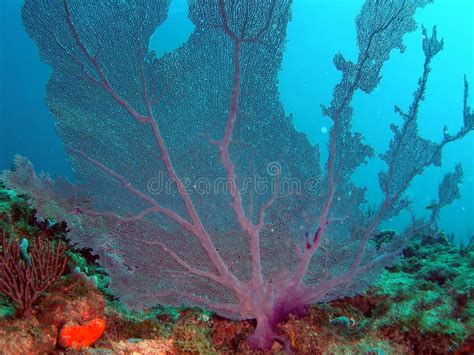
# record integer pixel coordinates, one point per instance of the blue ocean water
(319, 29)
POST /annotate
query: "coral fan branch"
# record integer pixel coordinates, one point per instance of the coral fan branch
(184, 264)
(264, 208)
(126, 184)
(245, 222)
(403, 139)
(197, 228)
(93, 60)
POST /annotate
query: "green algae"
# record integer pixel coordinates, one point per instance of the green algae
(430, 290)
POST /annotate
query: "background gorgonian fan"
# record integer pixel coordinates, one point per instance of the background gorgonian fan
(210, 112)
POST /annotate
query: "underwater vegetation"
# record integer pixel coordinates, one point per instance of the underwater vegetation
(37, 280)
(195, 190)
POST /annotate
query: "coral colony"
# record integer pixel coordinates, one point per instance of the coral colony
(23, 282)
(194, 189)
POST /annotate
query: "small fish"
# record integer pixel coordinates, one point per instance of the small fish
(432, 206)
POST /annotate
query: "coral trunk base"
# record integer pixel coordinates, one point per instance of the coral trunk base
(264, 335)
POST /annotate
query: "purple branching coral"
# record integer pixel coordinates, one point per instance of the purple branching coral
(194, 188)
(24, 277)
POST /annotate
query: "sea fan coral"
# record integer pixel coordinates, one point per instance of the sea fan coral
(195, 189)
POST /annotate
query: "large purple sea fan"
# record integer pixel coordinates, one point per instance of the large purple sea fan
(194, 188)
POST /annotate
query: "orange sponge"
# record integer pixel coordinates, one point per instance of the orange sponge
(80, 336)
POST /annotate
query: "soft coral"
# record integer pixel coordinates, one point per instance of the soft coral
(23, 281)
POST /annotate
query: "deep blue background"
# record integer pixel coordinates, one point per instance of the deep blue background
(320, 28)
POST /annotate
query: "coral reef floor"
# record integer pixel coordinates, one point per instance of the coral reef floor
(422, 305)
